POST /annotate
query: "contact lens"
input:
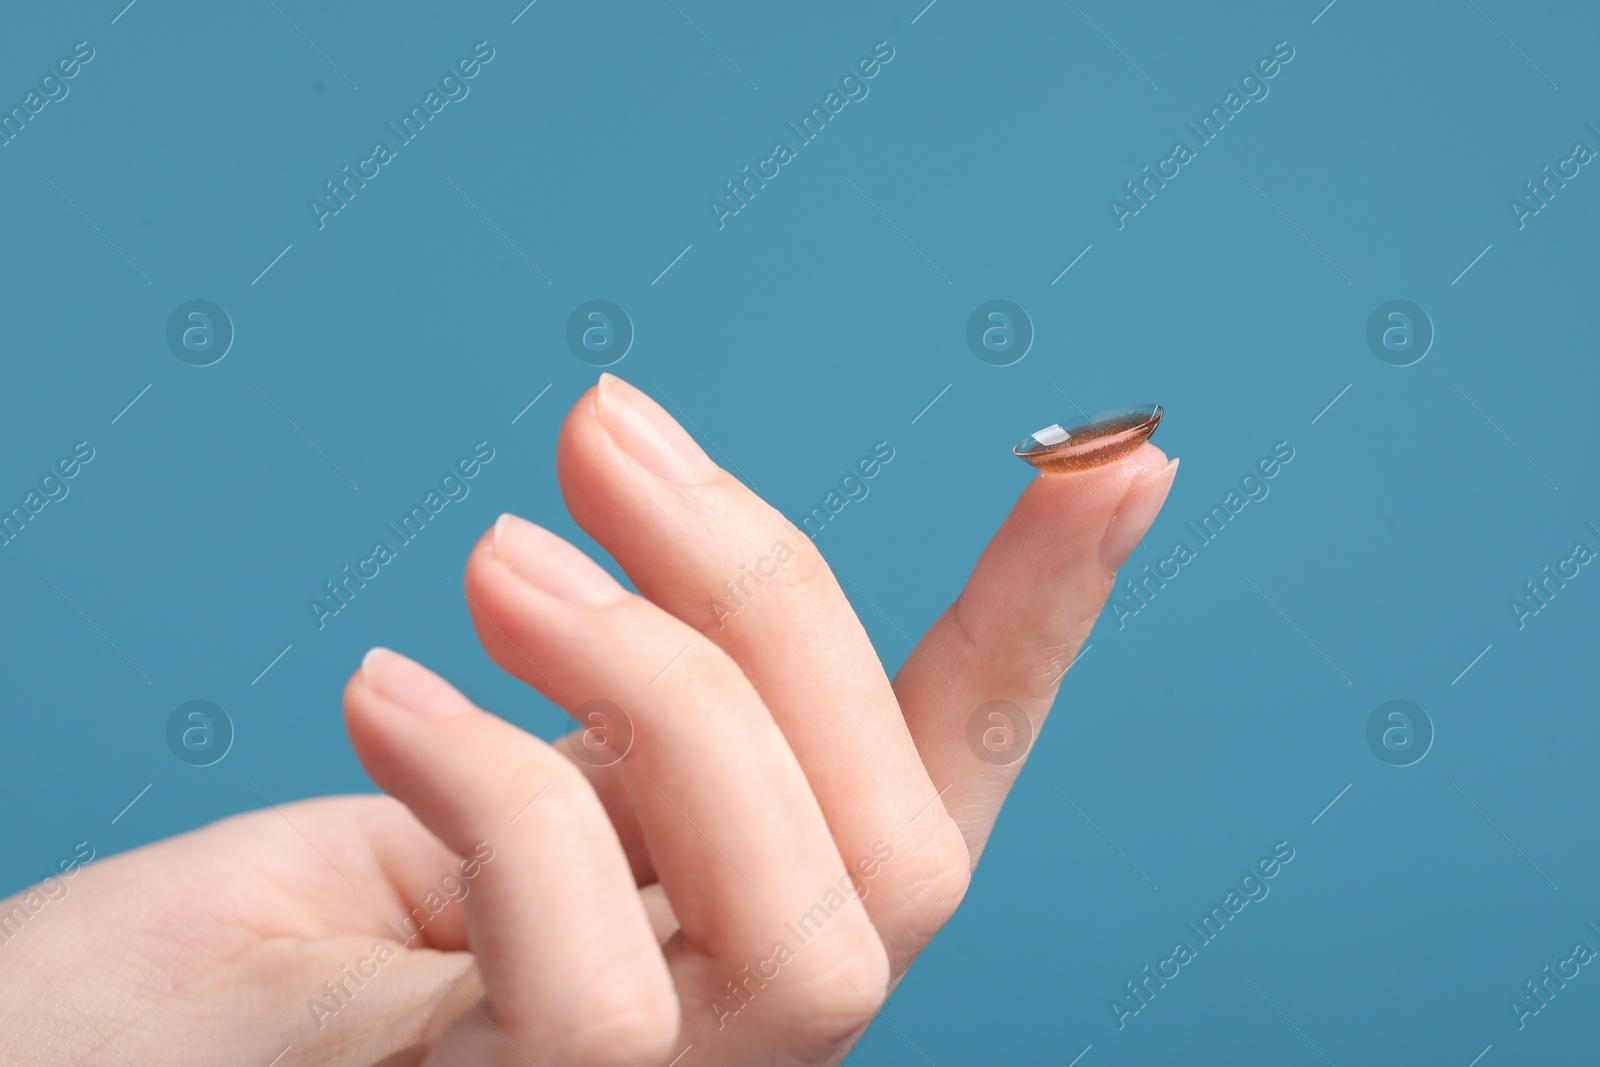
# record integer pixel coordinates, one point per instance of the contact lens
(1104, 437)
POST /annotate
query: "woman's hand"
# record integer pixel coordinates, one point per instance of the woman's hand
(734, 864)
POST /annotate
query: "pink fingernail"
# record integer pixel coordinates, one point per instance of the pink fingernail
(409, 685)
(1136, 514)
(647, 433)
(552, 565)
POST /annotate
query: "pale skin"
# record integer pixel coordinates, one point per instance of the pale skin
(772, 763)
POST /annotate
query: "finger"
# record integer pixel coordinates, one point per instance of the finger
(734, 831)
(572, 969)
(985, 675)
(701, 545)
(282, 910)
(599, 765)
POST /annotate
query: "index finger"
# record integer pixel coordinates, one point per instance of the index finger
(983, 678)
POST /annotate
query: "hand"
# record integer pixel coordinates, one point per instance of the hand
(783, 836)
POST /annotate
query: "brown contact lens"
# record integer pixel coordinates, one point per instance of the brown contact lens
(1104, 437)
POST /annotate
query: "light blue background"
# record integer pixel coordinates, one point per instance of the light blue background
(1207, 729)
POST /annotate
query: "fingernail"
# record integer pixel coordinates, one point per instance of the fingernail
(409, 685)
(552, 565)
(1136, 514)
(647, 433)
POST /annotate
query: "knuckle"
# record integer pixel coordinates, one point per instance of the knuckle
(1026, 669)
(946, 873)
(776, 568)
(704, 674)
(953, 857)
(637, 1032)
(1042, 667)
(838, 996)
(926, 900)
(805, 568)
(969, 643)
(542, 771)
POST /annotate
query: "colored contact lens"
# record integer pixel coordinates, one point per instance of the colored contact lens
(1104, 437)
